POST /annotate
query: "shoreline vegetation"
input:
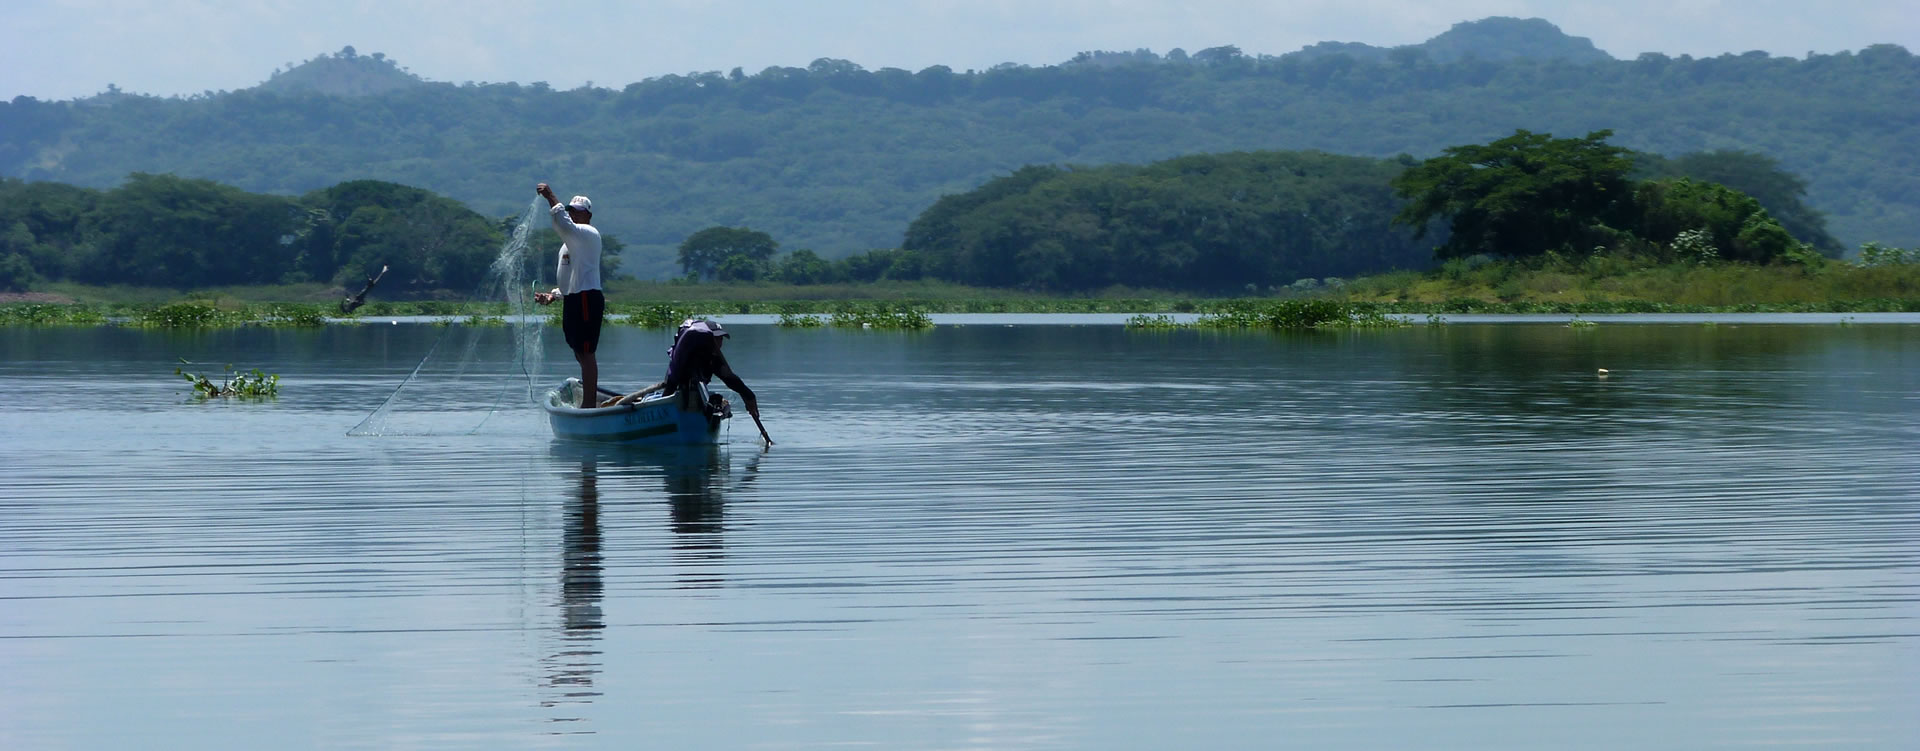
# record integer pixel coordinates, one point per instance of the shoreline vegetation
(1527, 223)
(1592, 286)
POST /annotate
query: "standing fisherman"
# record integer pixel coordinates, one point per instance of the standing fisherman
(578, 277)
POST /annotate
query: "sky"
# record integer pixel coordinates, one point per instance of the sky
(66, 49)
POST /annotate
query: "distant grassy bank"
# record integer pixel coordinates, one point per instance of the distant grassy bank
(1609, 284)
(1593, 285)
(624, 298)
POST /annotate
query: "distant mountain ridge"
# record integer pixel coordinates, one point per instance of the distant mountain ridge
(343, 73)
(347, 73)
(1496, 38)
(840, 159)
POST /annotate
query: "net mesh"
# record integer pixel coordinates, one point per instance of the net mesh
(479, 366)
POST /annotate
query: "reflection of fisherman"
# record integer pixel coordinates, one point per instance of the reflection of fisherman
(580, 580)
(576, 661)
(695, 358)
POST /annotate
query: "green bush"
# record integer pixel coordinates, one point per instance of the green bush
(187, 315)
(1875, 254)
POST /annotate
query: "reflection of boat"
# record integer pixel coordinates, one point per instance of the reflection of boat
(690, 417)
(695, 481)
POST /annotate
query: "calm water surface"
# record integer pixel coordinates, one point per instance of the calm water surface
(983, 536)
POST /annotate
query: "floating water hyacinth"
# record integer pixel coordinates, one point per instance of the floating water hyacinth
(1281, 314)
(188, 315)
(250, 383)
(802, 321)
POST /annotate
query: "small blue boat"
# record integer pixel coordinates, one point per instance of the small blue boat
(687, 419)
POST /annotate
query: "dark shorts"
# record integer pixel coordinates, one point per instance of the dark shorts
(580, 319)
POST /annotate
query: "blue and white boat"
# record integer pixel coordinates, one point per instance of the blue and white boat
(678, 420)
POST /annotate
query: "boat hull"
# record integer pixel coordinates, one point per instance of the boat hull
(658, 421)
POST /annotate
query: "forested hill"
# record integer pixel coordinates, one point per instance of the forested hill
(840, 159)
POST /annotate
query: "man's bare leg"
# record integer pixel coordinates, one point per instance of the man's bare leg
(589, 379)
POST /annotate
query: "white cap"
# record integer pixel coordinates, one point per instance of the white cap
(581, 203)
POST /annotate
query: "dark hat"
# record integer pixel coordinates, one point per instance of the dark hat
(710, 327)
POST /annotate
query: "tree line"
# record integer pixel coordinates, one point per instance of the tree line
(1220, 223)
(837, 158)
(1257, 221)
(165, 230)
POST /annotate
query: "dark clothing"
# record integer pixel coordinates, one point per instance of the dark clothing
(580, 316)
(696, 358)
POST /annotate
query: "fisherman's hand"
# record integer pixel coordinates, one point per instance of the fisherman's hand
(544, 298)
(543, 190)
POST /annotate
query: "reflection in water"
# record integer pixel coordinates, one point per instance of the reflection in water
(696, 486)
(1415, 538)
(695, 482)
(572, 670)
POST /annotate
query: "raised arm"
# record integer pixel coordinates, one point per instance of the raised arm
(546, 191)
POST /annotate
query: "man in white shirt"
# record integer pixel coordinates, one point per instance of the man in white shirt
(579, 293)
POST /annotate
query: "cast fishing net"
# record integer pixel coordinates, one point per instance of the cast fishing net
(481, 364)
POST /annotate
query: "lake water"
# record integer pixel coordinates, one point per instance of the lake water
(982, 536)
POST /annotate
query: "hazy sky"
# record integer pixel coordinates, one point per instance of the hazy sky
(62, 49)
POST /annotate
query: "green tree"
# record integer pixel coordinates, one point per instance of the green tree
(1757, 175)
(706, 251)
(16, 273)
(803, 266)
(610, 249)
(741, 268)
(168, 230)
(17, 239)
(427, 241)
(1736, 225)
(43, 222)
(1215, 222)
(1521, 195)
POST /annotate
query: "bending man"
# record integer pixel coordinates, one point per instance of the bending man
(695, 358)
(578, 277)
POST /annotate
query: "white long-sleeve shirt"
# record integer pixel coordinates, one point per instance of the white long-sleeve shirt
(579, 267)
